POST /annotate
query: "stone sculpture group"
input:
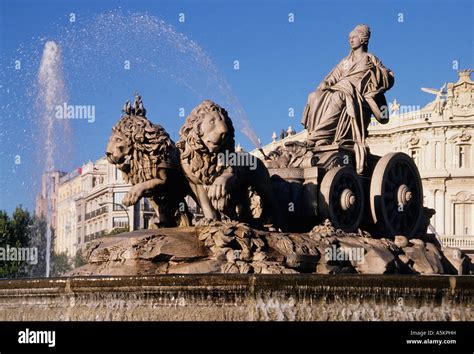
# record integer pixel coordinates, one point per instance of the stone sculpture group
(300, 209)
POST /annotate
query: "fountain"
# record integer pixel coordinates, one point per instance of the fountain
(51, 94)
(303, 273)
(238, 297)
(154, 51)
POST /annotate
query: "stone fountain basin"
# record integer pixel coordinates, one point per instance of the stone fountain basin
(239, 297)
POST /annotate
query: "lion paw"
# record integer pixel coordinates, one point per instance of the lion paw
(133, 196)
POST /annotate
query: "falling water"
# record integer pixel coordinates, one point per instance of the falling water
(240, 297)
(97, 48)
(51, 93)
(88, 55)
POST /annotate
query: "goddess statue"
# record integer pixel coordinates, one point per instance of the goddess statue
(341, 107)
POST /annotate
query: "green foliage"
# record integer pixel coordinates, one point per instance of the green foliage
(23, 230)
(13, 233)
(59, 264)
(79, 260)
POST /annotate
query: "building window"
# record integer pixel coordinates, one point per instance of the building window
(118, 198)
(463, 219)
(415, 155)
(463, 154)
(146, 222)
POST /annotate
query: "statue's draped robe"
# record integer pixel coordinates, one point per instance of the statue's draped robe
(335, 110)
(343, 112)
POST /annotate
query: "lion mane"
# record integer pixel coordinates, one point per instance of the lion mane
(152, 148)
(203, 163)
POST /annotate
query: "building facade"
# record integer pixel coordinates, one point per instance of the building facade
(87, 204)
(439, 137)
(100, 209)
(66, 227)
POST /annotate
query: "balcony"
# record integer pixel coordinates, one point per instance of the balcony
(94, 236)
(465, 242)
(96, 212)
(120, 224)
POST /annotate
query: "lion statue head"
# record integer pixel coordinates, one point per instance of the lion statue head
(139, 148)
(207, 132)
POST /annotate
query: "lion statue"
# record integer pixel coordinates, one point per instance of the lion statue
(149, 160)
(220, 184)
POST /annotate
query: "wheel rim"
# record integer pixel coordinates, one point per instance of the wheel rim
(396, 195)
(341, 198)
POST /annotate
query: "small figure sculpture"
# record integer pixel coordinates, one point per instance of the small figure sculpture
(341, 106)
(394, 106)
(439, 102)
(274, 137)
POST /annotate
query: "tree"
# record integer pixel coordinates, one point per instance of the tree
(59, 264)
(14, 234)
(79, 260)
(22, 230)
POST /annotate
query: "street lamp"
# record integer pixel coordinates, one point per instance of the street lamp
(124, 208)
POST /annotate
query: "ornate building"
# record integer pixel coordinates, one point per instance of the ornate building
(87, 204)
(66, 227)
(100, 209)
(439, 137)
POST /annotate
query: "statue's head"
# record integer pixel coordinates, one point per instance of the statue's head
(207, 132)
(118, 147)
(359, 36)
(210, 128)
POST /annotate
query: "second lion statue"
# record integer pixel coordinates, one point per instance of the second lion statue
(222, 189)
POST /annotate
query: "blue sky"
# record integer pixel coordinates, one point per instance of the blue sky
(280, 63)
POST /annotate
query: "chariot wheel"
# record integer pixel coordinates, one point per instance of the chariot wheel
(396, 195)
(341, 198)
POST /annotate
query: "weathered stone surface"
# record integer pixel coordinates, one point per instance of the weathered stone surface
(232, 247)
(419, 262)
(377, 260)
(401, 241)
(434, 256)
(456, 261)
(199, 267)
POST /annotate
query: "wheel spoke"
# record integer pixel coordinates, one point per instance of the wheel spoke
(391, 172)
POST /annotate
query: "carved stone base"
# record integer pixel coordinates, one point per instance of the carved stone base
(236, 248)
